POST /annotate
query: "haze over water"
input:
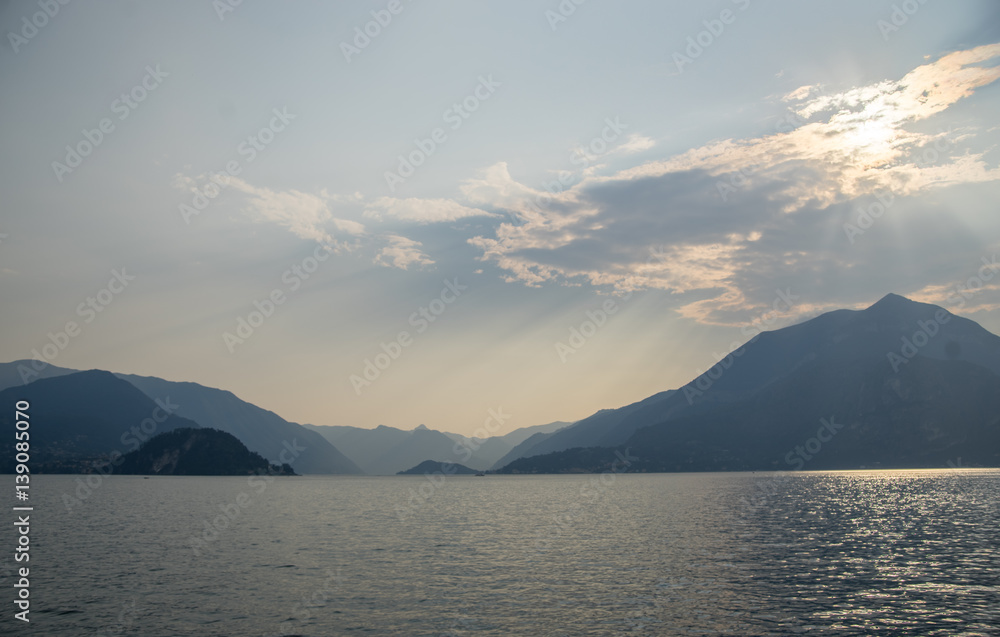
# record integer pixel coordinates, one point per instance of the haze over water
(833, 553)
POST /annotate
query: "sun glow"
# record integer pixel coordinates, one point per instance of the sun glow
(872, 136)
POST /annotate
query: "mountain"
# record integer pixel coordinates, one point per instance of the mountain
(518, 436)
(197, 452)
(524, 449)
(388, 450)
(23, 372)
(433, 466)
(262, 431)
(491, 450)
(80, 418)
(606, 428)
(842, 415)
(902, 384)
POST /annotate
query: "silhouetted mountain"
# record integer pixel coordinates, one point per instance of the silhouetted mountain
(197, 452)
(433, 466)
(80, 418)
(523, 450)
(903, 384)
(22, 372)
(606, 428)
(518, 436)
(260, 430)
(489, 451)
(388, 450)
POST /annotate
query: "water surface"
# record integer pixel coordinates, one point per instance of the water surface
(837, 553)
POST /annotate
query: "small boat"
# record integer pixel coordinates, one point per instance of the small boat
(480, 474)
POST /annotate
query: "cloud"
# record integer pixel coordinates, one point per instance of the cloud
(951, 297)
(800, 93)
(305, 215)
(719, 225)
(402, 253)
(635, 143)
(421, 210)
(495, 188)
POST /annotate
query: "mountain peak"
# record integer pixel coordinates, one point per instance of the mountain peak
(896, 307)
(892, 300)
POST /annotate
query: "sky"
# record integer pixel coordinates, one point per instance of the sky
(415, 212)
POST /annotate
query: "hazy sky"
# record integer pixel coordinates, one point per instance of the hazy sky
(188, 166)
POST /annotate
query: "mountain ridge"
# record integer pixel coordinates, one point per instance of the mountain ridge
(262, 431)
(896, 343)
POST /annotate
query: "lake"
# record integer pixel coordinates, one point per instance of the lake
(826, 553)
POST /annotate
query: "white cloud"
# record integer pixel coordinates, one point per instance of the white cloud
(800, 93)
(421, 210)
(855, 143)
(663, 225)
(635, 143)
(402, 253)
(305, 215)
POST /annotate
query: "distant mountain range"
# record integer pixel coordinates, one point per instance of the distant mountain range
(899, 384)
(263, 431)
(388, 450)
(83, 417)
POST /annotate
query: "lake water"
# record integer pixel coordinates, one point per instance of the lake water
(845, 553)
